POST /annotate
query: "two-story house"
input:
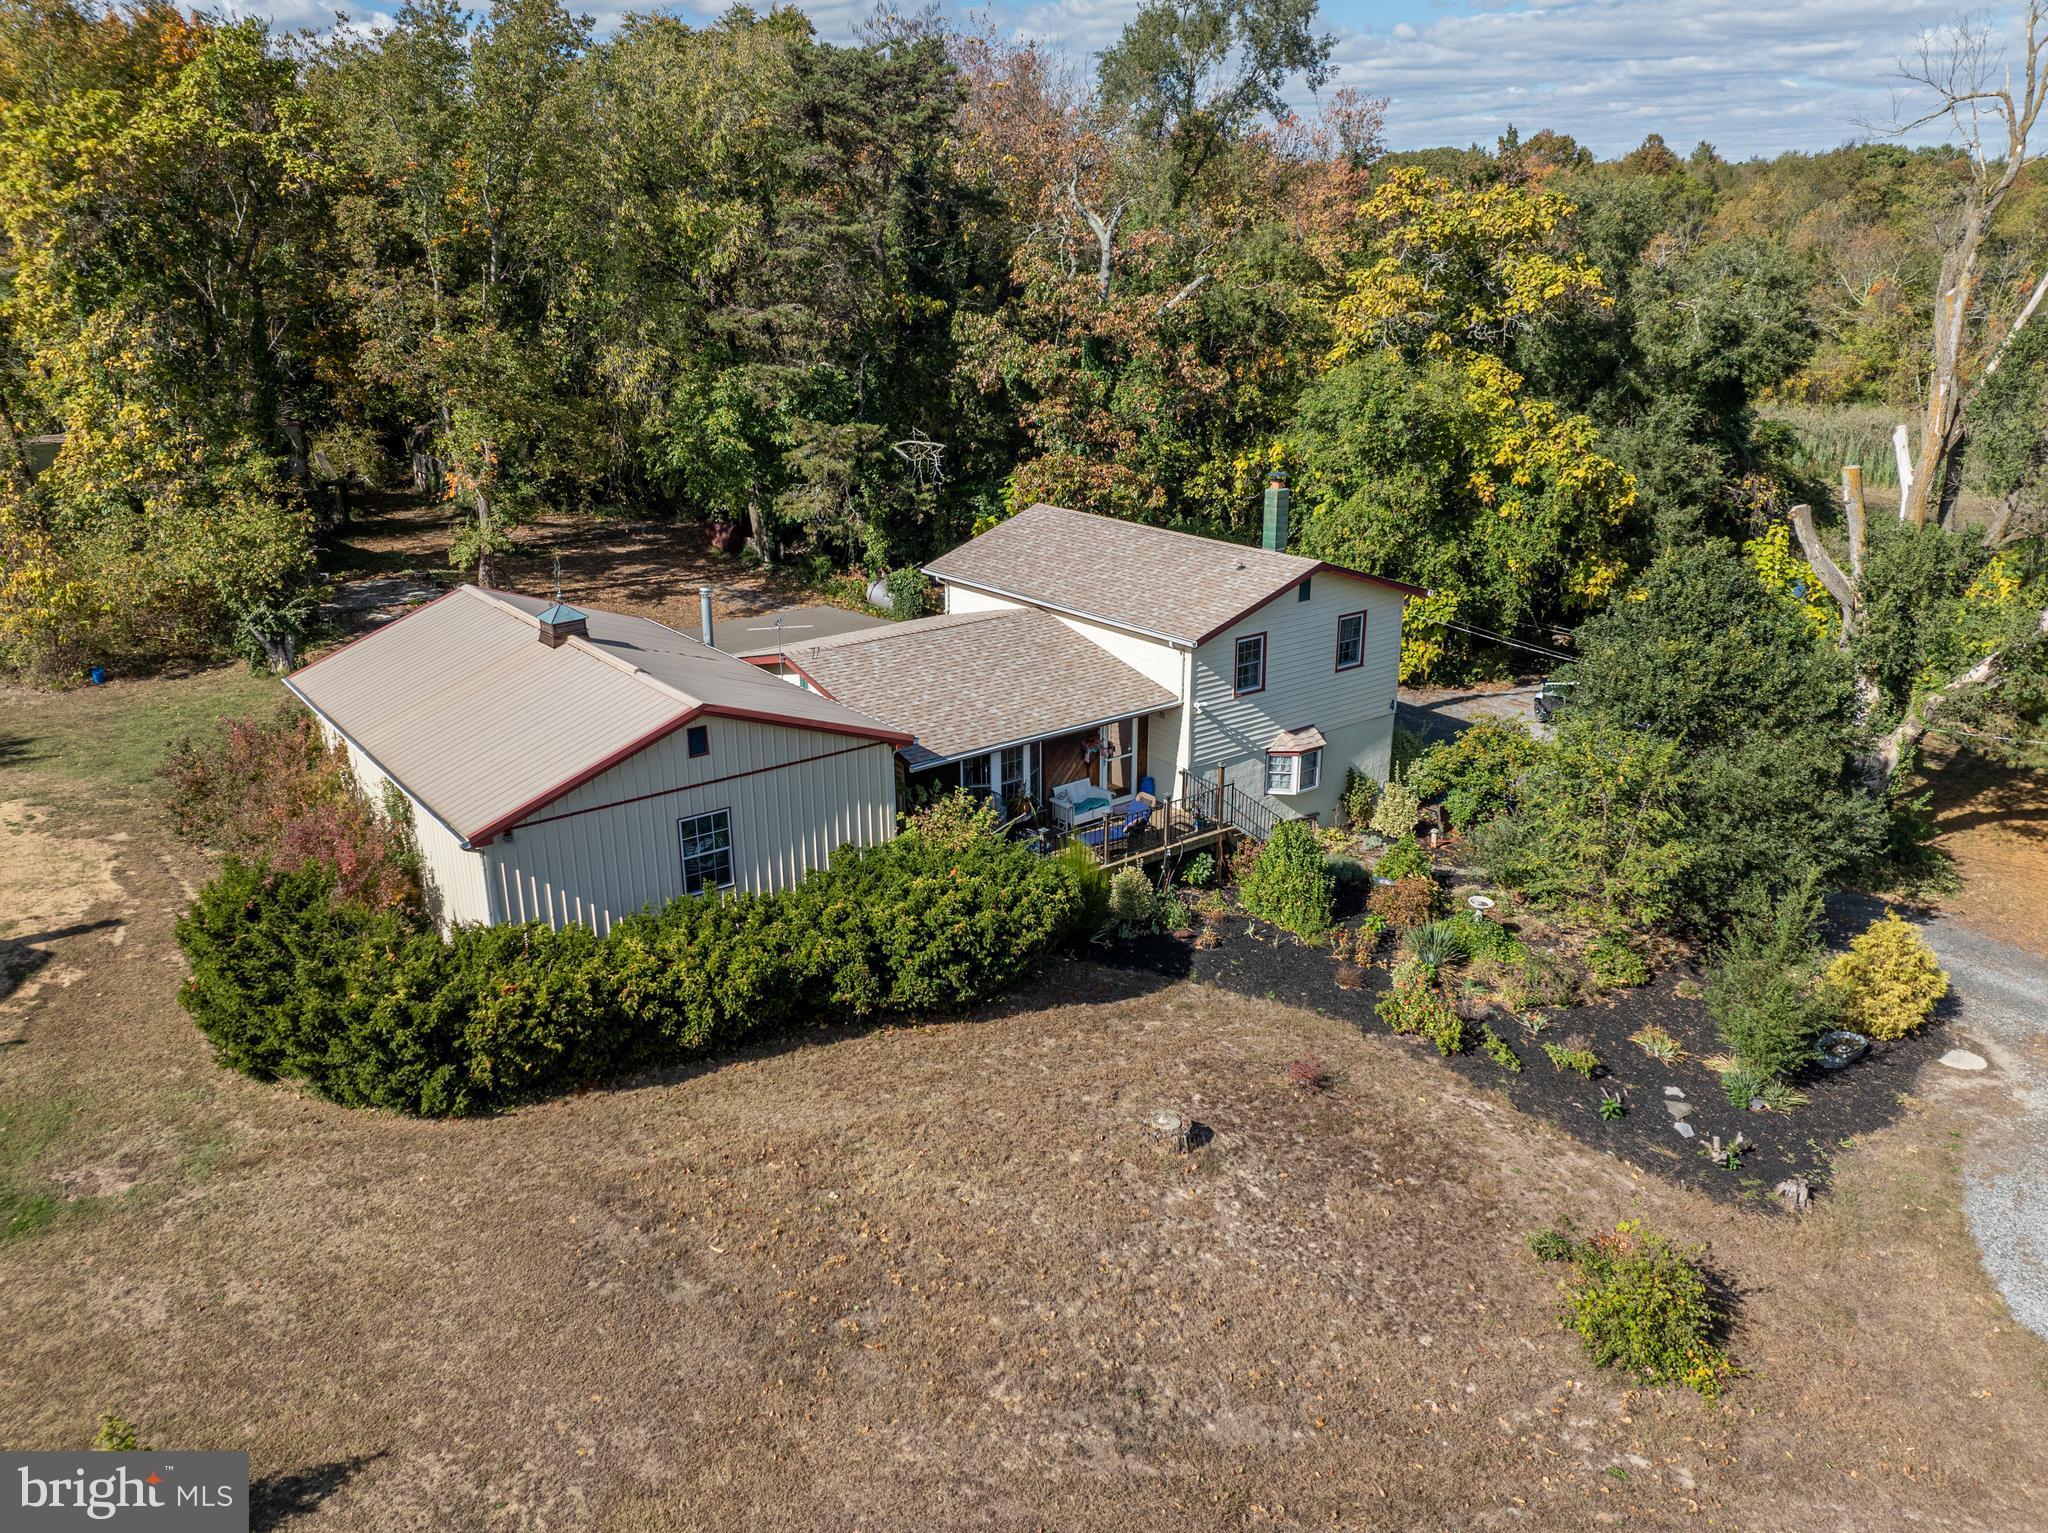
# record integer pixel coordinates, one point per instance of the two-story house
(1079, 649)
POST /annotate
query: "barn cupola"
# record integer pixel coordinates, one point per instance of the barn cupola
(562, 622)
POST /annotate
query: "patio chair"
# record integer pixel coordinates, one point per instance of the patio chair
(1140, 816)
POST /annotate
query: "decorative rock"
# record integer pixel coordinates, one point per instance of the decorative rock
(1673, 1091)
(1962, 1059)
(1756, 1104)
(1173, 1128)
(1679, 1110)
(1684, 1129)
(1794, 1193)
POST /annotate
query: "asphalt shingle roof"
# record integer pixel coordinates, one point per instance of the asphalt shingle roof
(975, 680)
(1152, 580)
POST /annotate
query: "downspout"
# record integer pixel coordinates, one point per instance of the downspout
(1185, 751)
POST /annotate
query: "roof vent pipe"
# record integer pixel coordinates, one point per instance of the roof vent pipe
(704, 611)
(1273, 535)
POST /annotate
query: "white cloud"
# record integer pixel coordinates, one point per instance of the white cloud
(1751, 76)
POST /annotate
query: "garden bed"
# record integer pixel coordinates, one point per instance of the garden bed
(1259, 960)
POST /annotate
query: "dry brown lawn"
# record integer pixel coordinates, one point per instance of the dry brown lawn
(643, 568)
(932, 1276)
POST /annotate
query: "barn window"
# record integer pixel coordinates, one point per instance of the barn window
(700, 740)
(707, 851)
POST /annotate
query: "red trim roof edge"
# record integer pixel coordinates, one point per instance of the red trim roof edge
(489, 833)
(1322, 566)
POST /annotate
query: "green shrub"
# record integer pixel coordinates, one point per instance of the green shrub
(1581, 1061)
(1404, 859)
(374, 1009)
(1482, 939)
(1348, 872)
(1763, 996)
(1616, 965)
(1888, 982)
(1361, 794)
(1090, 883)
(1640, 1304)
(1496, 1049)
(1200, 871)
(1171, 914)
(1415, 1005)
(1289, 883)
(1396, 812)
(910, 593)
(1476, 772)
(1132, 901)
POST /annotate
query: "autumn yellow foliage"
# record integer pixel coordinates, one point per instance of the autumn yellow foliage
(1888, 982)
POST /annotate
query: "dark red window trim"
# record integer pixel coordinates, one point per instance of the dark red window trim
(1341, 617)
(1246, 638)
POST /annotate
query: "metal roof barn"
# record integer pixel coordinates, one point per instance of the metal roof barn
(576, 766)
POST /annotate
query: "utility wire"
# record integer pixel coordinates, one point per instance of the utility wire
(1501, 638)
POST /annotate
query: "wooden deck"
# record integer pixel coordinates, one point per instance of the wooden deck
(1175, 828)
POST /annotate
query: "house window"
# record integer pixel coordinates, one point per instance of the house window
(1249, 674)
(1294, 771)
(1301, 591)
(974, 774)
(1350, 641)
(1019, 773)
(700, 740)
(707, 851)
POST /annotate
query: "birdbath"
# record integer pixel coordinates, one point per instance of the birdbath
(1479, 904)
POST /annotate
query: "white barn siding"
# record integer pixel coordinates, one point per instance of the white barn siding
(1354, 708)
(610, 847)
(456, 889)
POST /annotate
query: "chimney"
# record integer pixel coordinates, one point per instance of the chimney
(1274, 533)
(560, 623)
(704, 611)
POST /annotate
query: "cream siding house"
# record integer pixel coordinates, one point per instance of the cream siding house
(573, 767)
(1320, 645)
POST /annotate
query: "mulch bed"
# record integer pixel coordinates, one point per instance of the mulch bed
(1256, 959)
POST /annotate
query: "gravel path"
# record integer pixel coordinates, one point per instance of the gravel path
(2001, 994)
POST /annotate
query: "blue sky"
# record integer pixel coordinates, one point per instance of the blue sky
(1751, 77)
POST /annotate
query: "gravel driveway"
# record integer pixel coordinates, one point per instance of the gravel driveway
(2001, 996)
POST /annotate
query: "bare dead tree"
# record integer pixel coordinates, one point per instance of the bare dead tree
(1993, 109)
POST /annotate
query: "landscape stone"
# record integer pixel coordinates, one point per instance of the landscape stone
(1673, 1091)
(1963, 1059)
(1684, 1129)
(1679, 1110)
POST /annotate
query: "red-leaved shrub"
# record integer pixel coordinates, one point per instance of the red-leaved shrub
(270, 790)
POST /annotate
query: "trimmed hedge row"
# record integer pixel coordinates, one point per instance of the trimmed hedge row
(371, 1009)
